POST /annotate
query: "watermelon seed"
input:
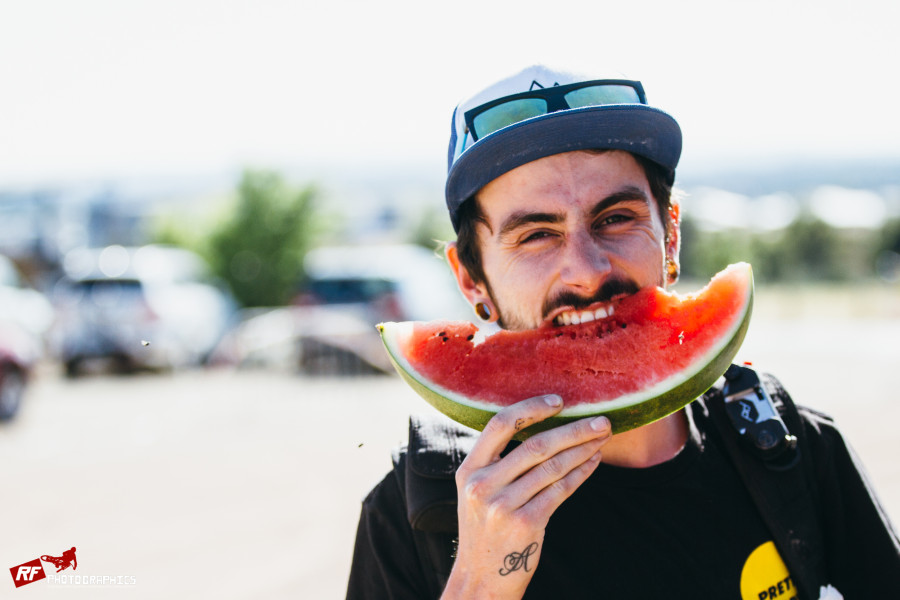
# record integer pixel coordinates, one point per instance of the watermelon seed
(445, 338)
(624, 325)
(442, 334)
(470, 338)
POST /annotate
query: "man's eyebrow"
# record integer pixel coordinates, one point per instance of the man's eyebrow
(627, 194)
(518, 219)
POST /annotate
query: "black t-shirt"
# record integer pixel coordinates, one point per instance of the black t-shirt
(660, 532)
(686, 528)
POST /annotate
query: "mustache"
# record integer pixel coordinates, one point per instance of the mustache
(605, 293)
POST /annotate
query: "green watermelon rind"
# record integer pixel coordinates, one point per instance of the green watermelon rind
(625, 413)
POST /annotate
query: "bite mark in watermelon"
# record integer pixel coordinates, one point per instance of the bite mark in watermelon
(656, 353)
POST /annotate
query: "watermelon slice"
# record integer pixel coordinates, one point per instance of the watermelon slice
(656, 353)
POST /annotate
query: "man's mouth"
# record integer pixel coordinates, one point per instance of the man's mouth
(568, 315)
(575, 317)
(568, 308)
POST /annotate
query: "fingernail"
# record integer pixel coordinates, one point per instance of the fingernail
(600, 423)
(553, 400)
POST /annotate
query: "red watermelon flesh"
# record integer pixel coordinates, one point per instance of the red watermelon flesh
(655, 353)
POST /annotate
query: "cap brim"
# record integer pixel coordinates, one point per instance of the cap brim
(636, 128)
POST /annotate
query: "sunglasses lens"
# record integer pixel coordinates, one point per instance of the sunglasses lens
(596, 95)
(498, 117)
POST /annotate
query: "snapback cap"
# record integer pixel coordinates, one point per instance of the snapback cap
(539, 112)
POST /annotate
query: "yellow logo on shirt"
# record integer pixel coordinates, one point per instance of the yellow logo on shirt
(765, 576)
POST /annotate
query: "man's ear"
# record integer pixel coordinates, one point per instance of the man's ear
(673, 231)
(473, 292)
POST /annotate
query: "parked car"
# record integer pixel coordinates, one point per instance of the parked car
(21, 303)
(25, 315)
(396, 282)
(19, 353)
(369, 284)
(151, 307)
(330, 328)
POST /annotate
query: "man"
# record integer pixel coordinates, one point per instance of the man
(559, 188)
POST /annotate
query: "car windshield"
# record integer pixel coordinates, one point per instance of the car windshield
(349, 290)
(109, 292)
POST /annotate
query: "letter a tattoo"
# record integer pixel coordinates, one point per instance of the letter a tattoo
(518, 560)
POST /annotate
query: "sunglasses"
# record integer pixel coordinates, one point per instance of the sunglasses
(502, 112)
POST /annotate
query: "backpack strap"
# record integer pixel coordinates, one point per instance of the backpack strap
(437, 447)
(781, 483)
(426, 471)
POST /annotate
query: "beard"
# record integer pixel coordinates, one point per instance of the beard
(609, 290)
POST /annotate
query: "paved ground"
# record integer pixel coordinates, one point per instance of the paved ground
(235, 485)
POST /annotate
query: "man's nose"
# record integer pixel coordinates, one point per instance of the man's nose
(585, 264)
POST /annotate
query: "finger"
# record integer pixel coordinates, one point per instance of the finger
(551, 497)
(538, 448)
(550, 471)
(500, 430)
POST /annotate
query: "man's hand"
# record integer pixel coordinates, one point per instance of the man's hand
(505, 503)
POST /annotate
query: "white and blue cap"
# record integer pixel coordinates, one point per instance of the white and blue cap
(540, 112)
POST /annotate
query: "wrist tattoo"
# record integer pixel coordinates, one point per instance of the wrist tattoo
(518, 560)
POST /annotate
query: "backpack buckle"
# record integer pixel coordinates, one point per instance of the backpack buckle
(753, 414)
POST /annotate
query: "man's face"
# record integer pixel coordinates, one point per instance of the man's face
(568, 236)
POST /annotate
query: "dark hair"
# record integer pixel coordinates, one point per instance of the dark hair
(470, 214)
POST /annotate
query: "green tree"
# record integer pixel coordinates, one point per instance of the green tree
(812, 250)
(259, 248)
(705, 253)
(889, 239)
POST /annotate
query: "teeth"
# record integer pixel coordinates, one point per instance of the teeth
(574, 318)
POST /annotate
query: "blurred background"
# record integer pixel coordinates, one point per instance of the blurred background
(205, 207)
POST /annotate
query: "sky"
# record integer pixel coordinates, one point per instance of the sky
(119, 88)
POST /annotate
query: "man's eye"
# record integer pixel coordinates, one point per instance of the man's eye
(613, 219)
(534, 236)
